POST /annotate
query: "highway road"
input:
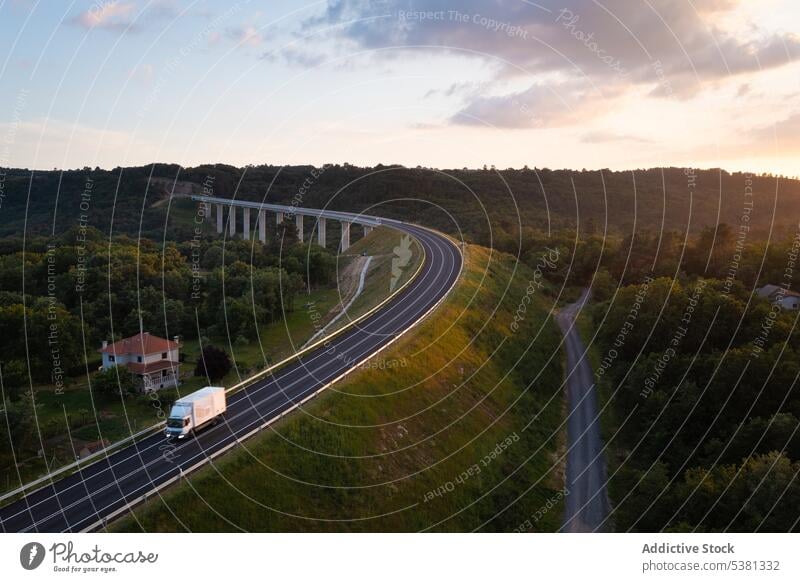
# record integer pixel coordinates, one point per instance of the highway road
(84, 500)
(587, 502)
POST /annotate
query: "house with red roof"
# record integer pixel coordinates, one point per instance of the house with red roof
(154, 360)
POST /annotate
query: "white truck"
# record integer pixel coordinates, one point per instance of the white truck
(196, 410)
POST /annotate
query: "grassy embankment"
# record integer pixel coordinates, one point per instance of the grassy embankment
(368, 455)
(91, 417)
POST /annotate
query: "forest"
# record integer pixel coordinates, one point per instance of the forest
(698, 374)
(497, 208)
(61, 296)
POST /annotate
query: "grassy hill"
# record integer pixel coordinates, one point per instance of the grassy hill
(456, 427)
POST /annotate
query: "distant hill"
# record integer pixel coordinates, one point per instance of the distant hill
(464, 200)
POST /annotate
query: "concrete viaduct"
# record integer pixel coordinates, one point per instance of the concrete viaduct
(260, 210)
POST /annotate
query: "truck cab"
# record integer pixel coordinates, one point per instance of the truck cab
(179, 423)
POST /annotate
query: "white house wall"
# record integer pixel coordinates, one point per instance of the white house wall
(156, 357)
(118, 360)
(790, 303)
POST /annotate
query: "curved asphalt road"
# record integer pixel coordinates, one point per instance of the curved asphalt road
(587, 502)
(82, 500)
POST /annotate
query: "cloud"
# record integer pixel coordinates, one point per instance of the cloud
(294, 56)
(657, 41)
(247, 35)
(214, 37)
(109, 15)
(534, 107)
(666, 49)
(783, 136)
(539, 106)
(465, 88)
(121, 16)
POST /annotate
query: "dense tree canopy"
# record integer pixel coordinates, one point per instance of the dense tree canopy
(703, 384)
(213, 363)
(82, 288)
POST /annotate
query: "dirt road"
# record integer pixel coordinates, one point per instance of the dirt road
(587, 502)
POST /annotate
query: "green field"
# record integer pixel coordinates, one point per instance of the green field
(410, 442)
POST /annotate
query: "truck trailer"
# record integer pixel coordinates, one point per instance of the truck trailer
(196, 410)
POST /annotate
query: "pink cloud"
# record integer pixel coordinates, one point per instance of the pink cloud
(106, 15)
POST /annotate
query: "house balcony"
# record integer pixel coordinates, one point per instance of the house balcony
(157, 375)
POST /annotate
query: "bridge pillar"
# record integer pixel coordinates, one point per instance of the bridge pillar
(278, 217)
(219, 218)
(246, 224)
(321, 234)
(232, 221)
(262, 226)
(345, 236)
(298, 221)
(367, 230)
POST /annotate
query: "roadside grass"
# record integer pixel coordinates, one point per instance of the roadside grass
(88, 417)
(381, 245)
(455, 427)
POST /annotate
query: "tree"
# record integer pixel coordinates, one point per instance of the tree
(19, 423)
(15, 378)
(212, 259)
(214, 363)
(759, 493)
(115, 381)
(603, 285)
(321, 264)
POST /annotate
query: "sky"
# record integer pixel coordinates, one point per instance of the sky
(619, 84)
